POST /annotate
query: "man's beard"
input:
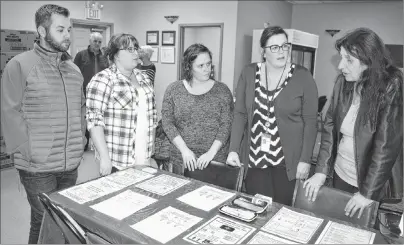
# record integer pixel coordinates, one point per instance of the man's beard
(56, 45)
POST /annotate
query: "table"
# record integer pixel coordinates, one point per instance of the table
(116, 231)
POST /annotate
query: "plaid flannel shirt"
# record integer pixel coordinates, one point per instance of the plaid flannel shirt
(112, 103)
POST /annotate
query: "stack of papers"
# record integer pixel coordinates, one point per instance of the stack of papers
(124, 204)
(166, 224)
(206, 197)
(293, 225)
(162, 184)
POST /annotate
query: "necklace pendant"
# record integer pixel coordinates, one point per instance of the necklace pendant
(267, 124)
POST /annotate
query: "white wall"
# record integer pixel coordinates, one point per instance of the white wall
(149, 15)
(252, 15)
(20, 15)
(386, 19)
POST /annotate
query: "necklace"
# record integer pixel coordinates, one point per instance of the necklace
(270, 102)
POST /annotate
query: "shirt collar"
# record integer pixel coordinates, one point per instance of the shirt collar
(53, 57)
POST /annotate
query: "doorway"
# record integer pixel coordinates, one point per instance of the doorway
(81, 33)
(210, 35)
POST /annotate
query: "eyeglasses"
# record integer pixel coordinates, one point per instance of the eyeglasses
(276, 48)
(131, 49)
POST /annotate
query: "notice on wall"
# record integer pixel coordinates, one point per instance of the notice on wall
(206, 197)
(220, 230)
(124, 204)
(335, 233)
(166, 224)
(293, 225)
(162, 184)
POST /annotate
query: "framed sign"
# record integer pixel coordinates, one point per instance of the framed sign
(167, 55)
(152, 38)
(168, 38)
(155, 55)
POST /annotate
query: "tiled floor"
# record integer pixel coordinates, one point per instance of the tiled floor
(15, 210)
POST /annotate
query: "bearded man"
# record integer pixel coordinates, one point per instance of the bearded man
(43, 112)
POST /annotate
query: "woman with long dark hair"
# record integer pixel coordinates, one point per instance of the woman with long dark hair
(361, 145)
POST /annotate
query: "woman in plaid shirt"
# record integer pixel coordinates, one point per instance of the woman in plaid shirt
(121, 109)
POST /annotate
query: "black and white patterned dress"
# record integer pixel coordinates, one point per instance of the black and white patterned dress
(259, 158)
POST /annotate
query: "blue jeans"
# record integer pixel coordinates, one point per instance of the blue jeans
(35, 183)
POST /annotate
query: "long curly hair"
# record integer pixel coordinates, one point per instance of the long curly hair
(365, 45)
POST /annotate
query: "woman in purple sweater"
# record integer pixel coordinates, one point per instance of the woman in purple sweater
(197, 114)
(275, 120)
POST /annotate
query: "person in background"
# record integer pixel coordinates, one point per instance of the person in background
(147, 67)
(197, 114)
(91, 61)
(43, 109)
(361, 142)
(121, 110)
(275, 120)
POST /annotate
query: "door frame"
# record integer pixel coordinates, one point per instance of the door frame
(181, 29)
(94, 24)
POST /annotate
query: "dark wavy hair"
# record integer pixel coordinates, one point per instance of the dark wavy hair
(365, 45)
(119, 41)
(44, 13)
(268, 33)
(189, 57)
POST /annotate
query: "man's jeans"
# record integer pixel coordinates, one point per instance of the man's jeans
(35, 183)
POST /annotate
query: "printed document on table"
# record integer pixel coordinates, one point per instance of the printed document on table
(335, 233)
(124, 204)
(265, 238)
(206, 197)
(220, 230)
(162, 184)
(293, 225)
(91, 190)
(166, 224)
(128, 177)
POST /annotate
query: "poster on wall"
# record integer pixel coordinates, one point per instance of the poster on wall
(168, 38)
(152, 38)
(155, 55)
(167, 55)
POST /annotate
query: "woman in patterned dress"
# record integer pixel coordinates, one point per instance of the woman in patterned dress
(275, 120)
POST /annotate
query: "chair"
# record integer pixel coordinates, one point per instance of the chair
(331, 202)
(72, 231)
(219, 174)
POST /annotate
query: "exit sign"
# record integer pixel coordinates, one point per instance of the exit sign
(93, 13)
